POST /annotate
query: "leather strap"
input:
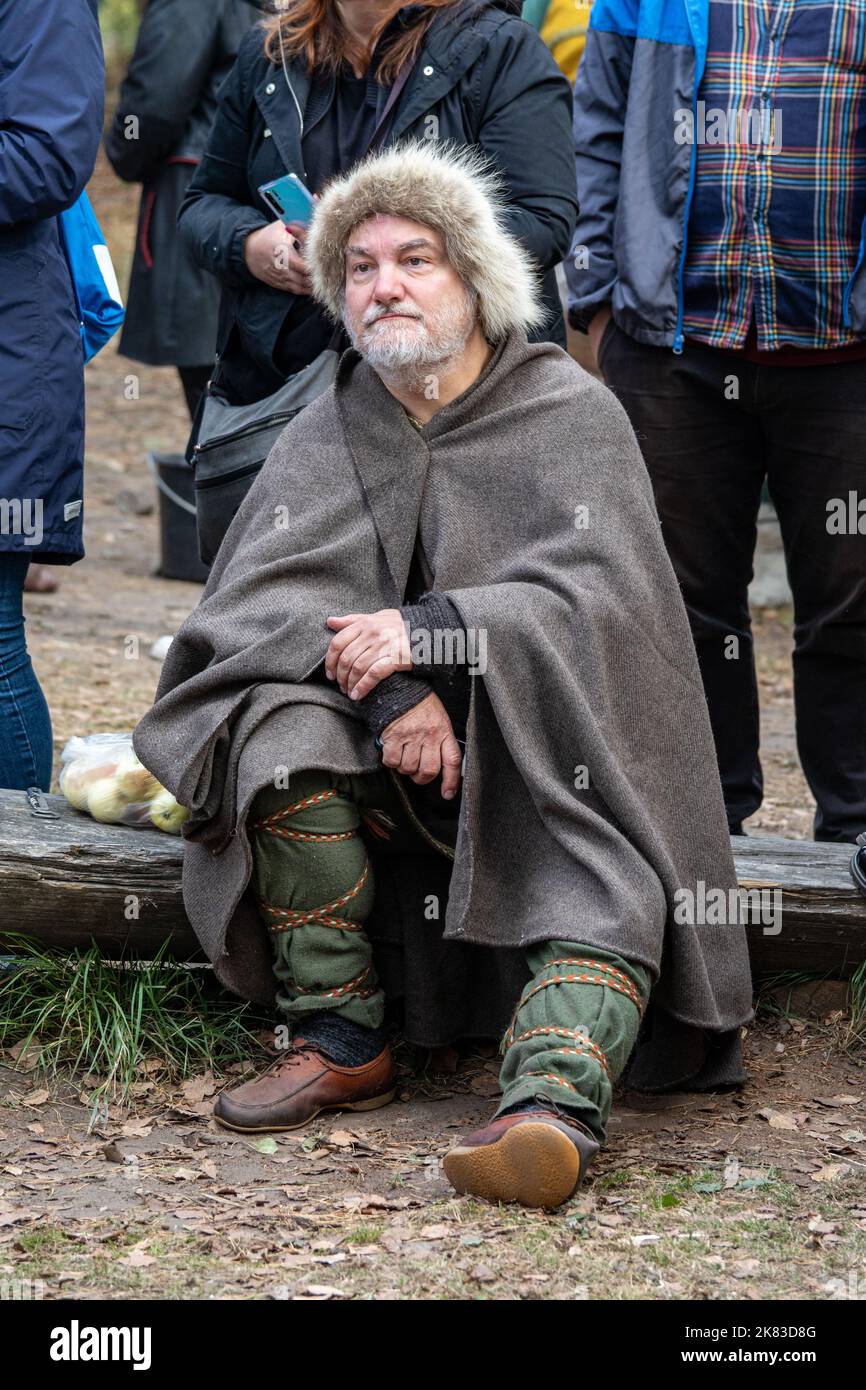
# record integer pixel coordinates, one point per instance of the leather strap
(384, 122)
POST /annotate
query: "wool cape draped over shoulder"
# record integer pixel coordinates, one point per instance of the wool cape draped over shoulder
(534, 509)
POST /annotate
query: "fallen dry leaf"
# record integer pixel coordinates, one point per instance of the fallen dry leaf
(202, 1110)
(25, 1054)
(136, 1129)
(197, 1088)
(137, 1260)
(780, 1120)
(360, 1201)
(152, 1064)
(821, 1228)
(36, 1097)
(831, 1172)
(343, 1138)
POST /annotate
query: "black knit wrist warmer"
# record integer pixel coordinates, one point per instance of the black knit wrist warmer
(393, 696)
(434, 613)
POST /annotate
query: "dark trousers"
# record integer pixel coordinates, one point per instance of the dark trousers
(194, 380)
(712, 428)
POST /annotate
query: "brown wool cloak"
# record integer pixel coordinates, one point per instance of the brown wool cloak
(536, 515)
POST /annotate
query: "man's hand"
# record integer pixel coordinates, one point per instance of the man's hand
(421, 744)
(596, 329)
(270, 255)
(367, 648)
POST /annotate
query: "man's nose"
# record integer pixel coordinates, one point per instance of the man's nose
(389, 285)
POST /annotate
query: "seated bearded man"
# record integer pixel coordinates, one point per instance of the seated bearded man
(438, 716)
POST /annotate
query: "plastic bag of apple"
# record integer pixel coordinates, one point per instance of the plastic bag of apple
(102, 775)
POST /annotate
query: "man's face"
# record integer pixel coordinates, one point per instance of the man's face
(405, 303)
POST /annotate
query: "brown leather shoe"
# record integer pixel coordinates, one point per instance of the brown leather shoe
(536, 1157)
(302, 1083)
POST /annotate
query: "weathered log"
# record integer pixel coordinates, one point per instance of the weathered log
(71, 881)
(823, 918)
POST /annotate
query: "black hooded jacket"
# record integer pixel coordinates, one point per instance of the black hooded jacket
(483, 78)
(165, 110)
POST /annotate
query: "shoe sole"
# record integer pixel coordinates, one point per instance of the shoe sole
(534, 1164)
(375, 1103)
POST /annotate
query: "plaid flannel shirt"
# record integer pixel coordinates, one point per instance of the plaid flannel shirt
(776, 224)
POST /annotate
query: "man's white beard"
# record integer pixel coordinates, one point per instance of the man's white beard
(407, 351)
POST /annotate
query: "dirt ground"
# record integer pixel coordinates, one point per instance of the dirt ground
(751, 1195)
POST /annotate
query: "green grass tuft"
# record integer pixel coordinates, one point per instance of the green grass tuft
(104, 1018)
(855, 1035)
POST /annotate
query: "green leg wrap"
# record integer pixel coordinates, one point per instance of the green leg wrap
(573, 1030)
(314, 885)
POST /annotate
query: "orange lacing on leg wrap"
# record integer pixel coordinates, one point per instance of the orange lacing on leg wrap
(309, 836)
(628, 986)
(549, 1076)
(294, 807)
(589, 1048)
(353, 987)
(608, 976)
(286, 918)
(268, 823)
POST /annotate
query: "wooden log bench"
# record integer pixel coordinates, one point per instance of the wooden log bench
(72, 881)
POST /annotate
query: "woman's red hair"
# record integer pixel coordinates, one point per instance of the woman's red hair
(312, 29)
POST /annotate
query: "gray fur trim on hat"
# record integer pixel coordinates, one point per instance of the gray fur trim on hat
(450, 189)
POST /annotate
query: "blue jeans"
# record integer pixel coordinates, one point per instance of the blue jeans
(25, 723)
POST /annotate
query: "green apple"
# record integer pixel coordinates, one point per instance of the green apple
(166, 814)
(135, 781)
(105, 802)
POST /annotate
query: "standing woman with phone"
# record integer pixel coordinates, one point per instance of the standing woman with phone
(311, 89)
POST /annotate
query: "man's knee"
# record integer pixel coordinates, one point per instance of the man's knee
(310, 861)
(302, 786)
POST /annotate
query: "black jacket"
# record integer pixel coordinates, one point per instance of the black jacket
(52, 80)
(167, 103)
(487, 79)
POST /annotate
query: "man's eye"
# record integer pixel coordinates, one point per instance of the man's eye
(417, 260)
(361, 267)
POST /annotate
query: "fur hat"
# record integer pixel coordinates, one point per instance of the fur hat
(452, 191)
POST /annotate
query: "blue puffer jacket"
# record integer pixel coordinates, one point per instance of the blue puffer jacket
(51, 98)
(644, 59)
